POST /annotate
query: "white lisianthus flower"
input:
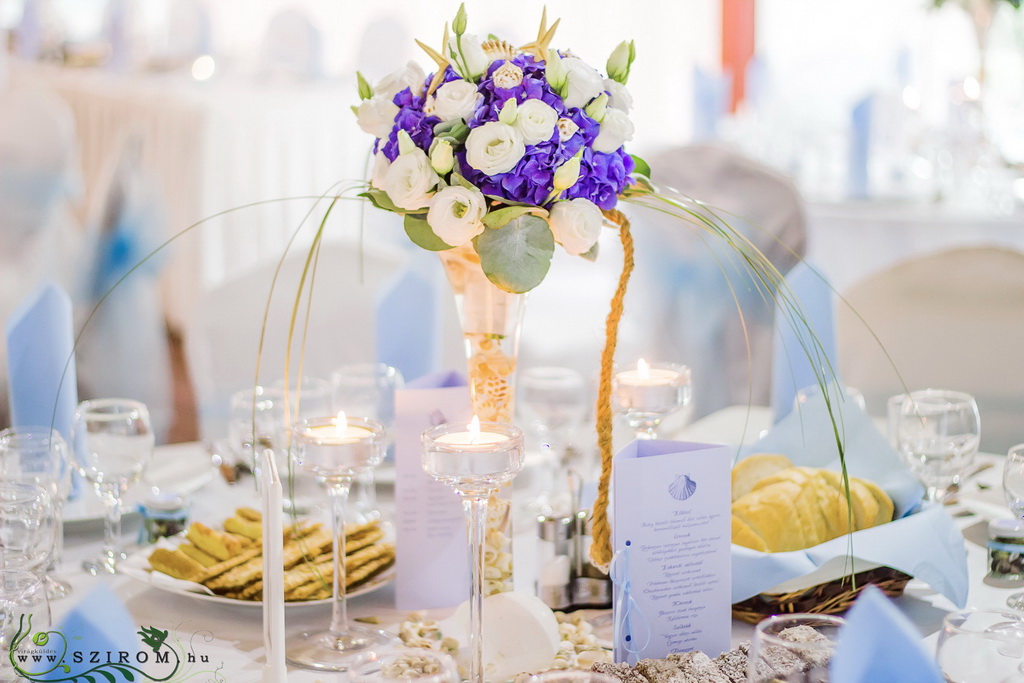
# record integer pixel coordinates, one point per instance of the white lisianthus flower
(456, 214)
(618, 96)
(576, 224)
(584, 82)
(566, 129)
(506, 76)
(494, 148)
(473, 53)
(411, 76)
(536, 121)
(442, 158)
(380, 169)
(616, 128)
(410, 181)
(377, 115)
(456, 100)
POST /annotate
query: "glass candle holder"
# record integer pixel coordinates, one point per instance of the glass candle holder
(474, 460)
(648, 394)
(335, 450)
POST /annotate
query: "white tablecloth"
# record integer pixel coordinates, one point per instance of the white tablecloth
(236, 631)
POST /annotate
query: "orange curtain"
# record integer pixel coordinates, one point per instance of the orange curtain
(737, 44)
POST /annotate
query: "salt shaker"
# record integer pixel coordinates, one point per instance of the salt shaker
(591, 588)
(554, 570)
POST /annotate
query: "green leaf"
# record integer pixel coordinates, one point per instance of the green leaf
(590, 254)
(457, 179)
(381, 200)
(418, 230)
(365, 89)
(507, 202)
(106, 674)
(517, 256)
(127, 673)
(642, 167)
(497, 219)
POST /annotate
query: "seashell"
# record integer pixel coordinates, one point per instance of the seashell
(499, 49)
(683, 487)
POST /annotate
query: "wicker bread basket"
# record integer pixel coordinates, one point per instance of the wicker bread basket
(831, 597)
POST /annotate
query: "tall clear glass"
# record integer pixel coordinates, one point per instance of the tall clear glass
(335, 451)
(474, 460)
(24, 612)
(114, 443)
(39, 455)
(27, 526)
(1013, 489)
(938, 435)
(981, 646)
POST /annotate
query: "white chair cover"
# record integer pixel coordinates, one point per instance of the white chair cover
(123, 351)
(222, 339)
(950, 320)
(696, 282)
(292, 47)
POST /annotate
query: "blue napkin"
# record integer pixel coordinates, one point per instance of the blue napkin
(794, 353)
(410, 302)
(878, 643)
(29, 32)
(711, 93)
(40, 341)
(100, 623)
(860, 148)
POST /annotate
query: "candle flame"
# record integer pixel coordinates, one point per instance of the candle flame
(474, 426)
(341, 424)
(643, 369)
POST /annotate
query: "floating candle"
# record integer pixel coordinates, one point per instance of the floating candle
(336, 431)
(472, 436)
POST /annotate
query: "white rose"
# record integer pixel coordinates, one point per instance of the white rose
(616, 128)
(576, 224)
(456, 100)
(536, 121)
(584, 82)
(411, 76)
(494, 148)
(456, 214)
(618, 96)
(410, 179)
(473, 53)
(377, 115)
(379, 171)
(506, 76)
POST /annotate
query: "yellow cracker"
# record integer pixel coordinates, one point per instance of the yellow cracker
(176, 564)
(250, 530)
(218, 569)
(249, 514)
(216, 543)
(198, 554)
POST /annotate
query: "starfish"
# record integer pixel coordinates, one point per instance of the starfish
(439, 58)
(545, 35)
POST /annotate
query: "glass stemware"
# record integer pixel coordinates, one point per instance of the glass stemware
(405, 664)
(24, 612)
(937, 435)
(1013, 489)
(335, 450)
(27, 526)
(774, 656)
(650, 393)
(474, 460)
(113, 443)
(39, 455)
(980, 646)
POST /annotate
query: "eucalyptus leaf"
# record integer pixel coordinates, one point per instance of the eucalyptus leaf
(642, 167)
(381, 200)
(497, 219)
(418, 230)
(517, 256)
(458, 179)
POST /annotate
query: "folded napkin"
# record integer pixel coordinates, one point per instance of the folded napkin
(878, 643)
(40, 341)
(860, 148)
(711, 92)
(410, 302)
(927, 545)
(100, 623)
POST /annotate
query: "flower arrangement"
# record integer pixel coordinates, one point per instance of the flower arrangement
(507, 149)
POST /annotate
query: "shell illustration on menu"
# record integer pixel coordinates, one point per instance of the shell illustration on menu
(682, 487)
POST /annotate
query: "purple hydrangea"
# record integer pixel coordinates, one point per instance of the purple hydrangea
(602, 177)
(413, 121)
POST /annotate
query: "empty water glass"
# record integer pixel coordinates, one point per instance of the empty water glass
(938, 434)
(24, 612)
(405, 664)
(27, 526)
(39, 455)
(793, 648)
(982, 646)
(113, 443)
(1013, 489)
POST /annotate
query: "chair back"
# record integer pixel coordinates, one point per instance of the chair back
(292, 46)
(949, 320)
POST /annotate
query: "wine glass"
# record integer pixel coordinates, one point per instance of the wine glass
(553, 404)
(650, 393)
(938, 434)
(1013, 489)
(405, 664)
(24, 612)
(39, 455)
(779, 654)
(474, 460)
(113, 443)
(27, 525)
(981, 646)
(367, 389)
(335, 450)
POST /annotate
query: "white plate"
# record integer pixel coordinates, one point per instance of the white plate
(182, 468)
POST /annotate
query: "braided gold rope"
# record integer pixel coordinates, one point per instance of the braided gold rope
(601, 548)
